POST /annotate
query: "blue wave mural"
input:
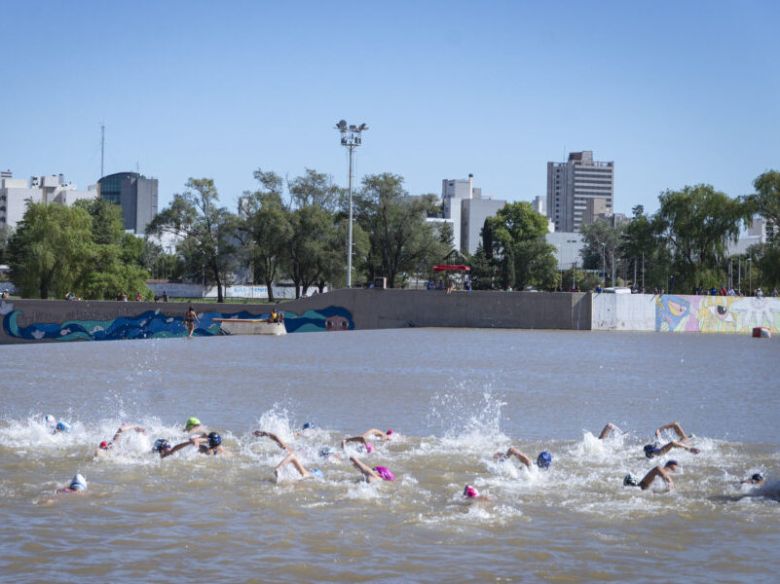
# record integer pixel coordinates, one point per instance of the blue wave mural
(154, 324)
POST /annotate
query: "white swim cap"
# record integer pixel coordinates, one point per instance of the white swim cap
(79, 483)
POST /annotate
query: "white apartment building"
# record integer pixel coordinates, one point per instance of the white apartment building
(466, 210)
(16, 192)
(577, 189)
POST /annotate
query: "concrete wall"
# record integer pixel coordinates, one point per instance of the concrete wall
(55, 320)
(682, 313)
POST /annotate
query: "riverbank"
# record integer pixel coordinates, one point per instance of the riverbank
(361, 309)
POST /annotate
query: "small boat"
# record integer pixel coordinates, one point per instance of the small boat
(250, 326)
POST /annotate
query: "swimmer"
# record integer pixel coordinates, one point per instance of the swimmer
(78, 484)
(164, 448)
(681, 435)
(107, 445)
(630, 480)
(544, 460)
(213, 445)
(328, 453)
(754, 479)
(55, 426)
(363, 438)
(372, 474)
(293, 459)
(653, 450)
(279, 442)
(608, 430)
(193, 425)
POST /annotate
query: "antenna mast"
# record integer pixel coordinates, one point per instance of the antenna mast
(102, 147)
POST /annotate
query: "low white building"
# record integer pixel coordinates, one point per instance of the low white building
(466, 210)
(15, 193)
(567, 248)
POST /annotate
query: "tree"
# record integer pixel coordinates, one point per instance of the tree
(520, 249)
(313, 247)
(209, 232)
(766, 200)
(50, 250)
(268, 223)
(5, 238)
(601, 242)
(401, 240)
(696, 223)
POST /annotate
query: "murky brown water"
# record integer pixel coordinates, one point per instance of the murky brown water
(453, 398)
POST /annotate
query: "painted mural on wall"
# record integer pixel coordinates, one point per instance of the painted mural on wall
(716, 314)
(154, 324)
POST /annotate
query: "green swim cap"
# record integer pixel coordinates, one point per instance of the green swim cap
(191, 422)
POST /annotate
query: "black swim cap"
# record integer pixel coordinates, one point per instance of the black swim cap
(630, 481)
(214, 440)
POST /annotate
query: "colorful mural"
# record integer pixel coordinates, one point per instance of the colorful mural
(153, 324)
(716, 314)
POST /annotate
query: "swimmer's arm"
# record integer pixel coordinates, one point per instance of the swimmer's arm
(127, 428)
(360, 439)
(672, 426)
(178, 447)
(367, 472)
(521, 456)
(608, 429)
(373, 432)
(279, 442)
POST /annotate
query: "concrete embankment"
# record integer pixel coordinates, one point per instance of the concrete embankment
(48, 320)
(25, 321)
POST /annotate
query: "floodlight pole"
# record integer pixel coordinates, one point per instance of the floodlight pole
(350, 139)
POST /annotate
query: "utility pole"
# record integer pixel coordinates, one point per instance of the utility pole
(102, 147)
(350, 139)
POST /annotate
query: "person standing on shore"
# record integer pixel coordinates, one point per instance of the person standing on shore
(190, 317)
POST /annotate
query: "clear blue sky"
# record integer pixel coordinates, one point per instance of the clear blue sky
(675, 92)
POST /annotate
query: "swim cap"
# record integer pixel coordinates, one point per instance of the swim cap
(757, 477)
(671, 463)
(308, 426)
(191, 423)
(470, 492)
(214, 440)
(651, 450)
(630, 481)
(79, 483)
(369, 447)
(161, 444)
(51, 420)
(105, 445)
(62, 427)
(389, 432)
(384, 472)
(317, 473)
(325, 451)
(544, 460)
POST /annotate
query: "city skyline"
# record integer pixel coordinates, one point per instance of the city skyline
(674, 95)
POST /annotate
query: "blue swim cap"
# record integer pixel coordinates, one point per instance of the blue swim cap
(161, 444)
(544, 460)
(214, 440)
(630, 481)
(315, 472)
(651, 450)
(62, 427)
(79, 483)
(308, 426)
(325, 451)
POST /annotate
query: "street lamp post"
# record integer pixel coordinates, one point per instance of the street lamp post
(350, 139)
(750, 277)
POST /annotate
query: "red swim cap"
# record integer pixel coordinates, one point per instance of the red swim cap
(104, 445)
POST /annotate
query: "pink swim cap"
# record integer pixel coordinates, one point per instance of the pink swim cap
(470, 492)
(369, 447)
(384, 472)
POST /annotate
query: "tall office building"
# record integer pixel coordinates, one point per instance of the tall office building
(578, 189)
(136, 194)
